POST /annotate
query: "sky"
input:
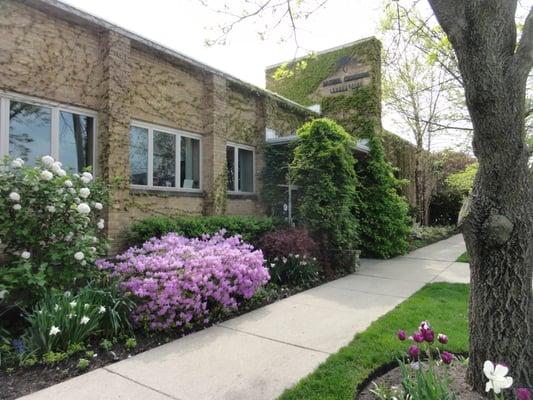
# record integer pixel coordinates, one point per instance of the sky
(184, 26)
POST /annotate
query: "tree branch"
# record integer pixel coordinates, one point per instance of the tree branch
(523, 57)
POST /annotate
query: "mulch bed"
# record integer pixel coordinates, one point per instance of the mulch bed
(394, 377)
(23, 381)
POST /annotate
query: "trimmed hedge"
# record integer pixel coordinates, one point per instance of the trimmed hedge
(250, 228)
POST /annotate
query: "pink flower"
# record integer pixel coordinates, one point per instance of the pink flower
(429, 335)
(413, 352)
(402, 335)
(443, 339)
(446, 357)
(523, 394)
(418, 337)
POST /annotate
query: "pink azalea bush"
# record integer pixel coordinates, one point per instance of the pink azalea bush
(177, 280)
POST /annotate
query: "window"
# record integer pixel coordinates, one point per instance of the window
(163, 158)
(30, 129)
(240, 165)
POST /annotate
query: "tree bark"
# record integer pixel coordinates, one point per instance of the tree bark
(498, 228)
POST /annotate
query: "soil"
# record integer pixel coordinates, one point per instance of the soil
(18, 382)
(393, 377)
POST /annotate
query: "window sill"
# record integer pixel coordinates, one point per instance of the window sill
(167, 193)
(242, 196)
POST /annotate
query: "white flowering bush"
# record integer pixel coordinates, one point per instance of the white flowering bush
(51, 226)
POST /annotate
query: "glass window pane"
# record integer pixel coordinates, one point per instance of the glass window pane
(29, 131)
(246, 171)
(190, 163)
(139, 156)
(230, 160)
(76, 141)
(164, 159)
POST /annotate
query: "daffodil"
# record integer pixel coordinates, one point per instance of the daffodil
(54, 330)
(496, 374)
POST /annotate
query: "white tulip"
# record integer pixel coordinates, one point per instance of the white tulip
(83, 208)
(54, 330)
(84, 193)
(497, 377)
(25, 255)
(47, 160)
(14, 196)
(46, 175)
(79, 256)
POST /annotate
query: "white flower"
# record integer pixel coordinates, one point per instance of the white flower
(4, 292)
(98, 206)
(100, 224)
(79, 256)
(84, 320)
(60, 191)
(46, 175)
(51, 209)
(14, 196)
(61, 173)
(67, 293)
(72, 190)
(95, 239)
(47, 160)
(17, 163)
(54, 330)
(93, 249)
(17, 207)
(69, 236)
(101, 310)
(83, 263)
(84, 193)
(86, 177)
(56, 307)
(86, 306)
(73, 304)
(83, 208)
(496, 376)
(68, 183)
(25, 255)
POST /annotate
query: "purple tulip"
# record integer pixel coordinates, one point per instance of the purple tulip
(523, 394)
(424, 326)
(442, 338)
(418, 337)
(429, 335)
(413, 352)
(446, 357)
(402, 335)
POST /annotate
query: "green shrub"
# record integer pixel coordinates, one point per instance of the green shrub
(323, 167)
(51, 227)
(463, 181)
(250, 228)
(424, 235)
(383, 213)
(83, 364)
(295, 271)
(131, 343)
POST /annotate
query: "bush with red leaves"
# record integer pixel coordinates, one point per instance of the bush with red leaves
(284, 242)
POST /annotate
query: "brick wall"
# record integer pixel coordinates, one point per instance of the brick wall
(54, 55)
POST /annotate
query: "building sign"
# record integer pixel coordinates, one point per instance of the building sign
(349, 75)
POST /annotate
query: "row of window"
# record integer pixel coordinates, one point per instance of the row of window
(160, 158)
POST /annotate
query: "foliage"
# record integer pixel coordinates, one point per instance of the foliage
(282, 242)
(464, 258)
(383, 214)
(294, 270)
(83, 364)
(425, 235)
(61, 320)
(131, 343)
(342, 373)
(463, 181)
(50, 225)
(177, 281)
(250, 228)
(323, 167)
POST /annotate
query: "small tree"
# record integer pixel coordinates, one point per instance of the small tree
(323, 167)
(383, 214)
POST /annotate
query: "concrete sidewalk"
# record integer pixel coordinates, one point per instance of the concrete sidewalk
(259, 354)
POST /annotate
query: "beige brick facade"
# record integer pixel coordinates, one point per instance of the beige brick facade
(55, 53)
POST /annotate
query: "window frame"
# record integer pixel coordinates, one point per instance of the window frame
(7, 97)
(150, 172)
(237, 147)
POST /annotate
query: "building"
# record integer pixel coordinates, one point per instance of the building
(168, 130)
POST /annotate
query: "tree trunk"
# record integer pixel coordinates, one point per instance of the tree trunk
(498, 227)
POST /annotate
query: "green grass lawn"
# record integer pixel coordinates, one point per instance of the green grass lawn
(464, 258)
(443, 304)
